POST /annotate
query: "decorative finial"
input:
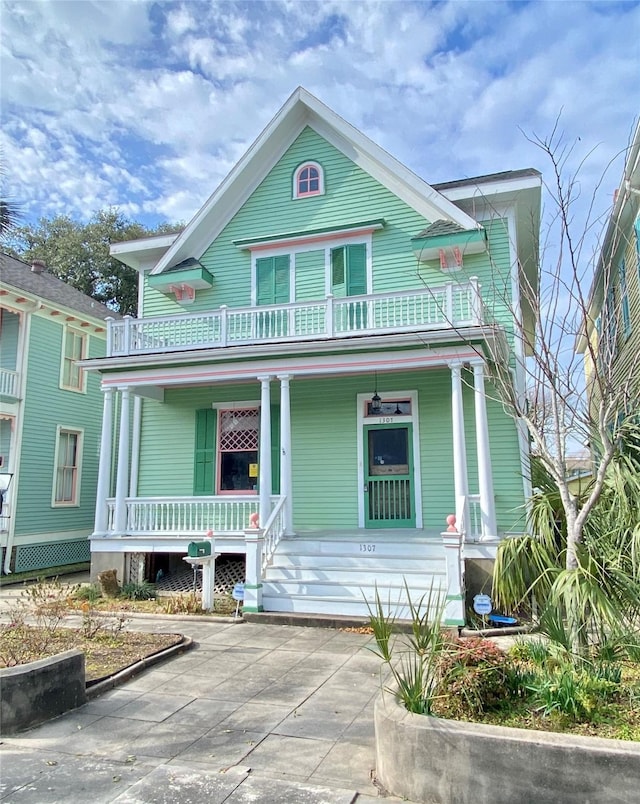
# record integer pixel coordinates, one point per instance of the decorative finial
(253, 520)
(451, 522)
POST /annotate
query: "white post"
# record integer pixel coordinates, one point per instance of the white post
(135, 446)
(208, 581)
(459, 449)
(104, 465)
(122, 476)
(476, 301)
(264, 459)
(285, 453)
(254, 542)
(454, 609)
(485, 479)
(329, 324)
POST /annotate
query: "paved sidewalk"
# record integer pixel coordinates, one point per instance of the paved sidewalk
(254, 713)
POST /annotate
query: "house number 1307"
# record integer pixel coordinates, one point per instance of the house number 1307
(385, 419)
(367, 548)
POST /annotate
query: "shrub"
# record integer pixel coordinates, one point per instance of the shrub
(90, 592)
(182, 604)
(139, 591)
(574, 694)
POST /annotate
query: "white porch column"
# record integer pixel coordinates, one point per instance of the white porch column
(285, 452)
(135, 446)
(254, 544)
(459, 449)
(264, 470)
(104, 466)
(485, 478)
(122, 476)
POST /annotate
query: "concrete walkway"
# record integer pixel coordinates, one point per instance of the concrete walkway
(255, 713)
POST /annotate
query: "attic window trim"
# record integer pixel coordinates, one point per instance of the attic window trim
(308, 180)
(313, 236)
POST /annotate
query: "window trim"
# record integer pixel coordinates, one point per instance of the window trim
(624, 299)
(222, 408)
(81, 388)
(77, 480)
(297, 179)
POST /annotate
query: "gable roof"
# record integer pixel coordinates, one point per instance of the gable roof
(301, 110)
(17, 274)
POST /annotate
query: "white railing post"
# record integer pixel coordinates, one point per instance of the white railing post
(223, 325)
(264, 459)
(485, 478)
(254, 543)
(448, 290)
(459, 448)
(101, 522)
(329, 323)
(476, 300)
(452, 540)
(126, 334)
(109, 321)
(122, 475)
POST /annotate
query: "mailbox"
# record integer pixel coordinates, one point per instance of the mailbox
(199, 549)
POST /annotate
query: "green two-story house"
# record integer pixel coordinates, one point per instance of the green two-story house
(312, 356)
(50, 417)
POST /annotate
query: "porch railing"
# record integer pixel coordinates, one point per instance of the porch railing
(441, 307)
(273, 532)
(186, 516)
(9, 381)
(474, 531)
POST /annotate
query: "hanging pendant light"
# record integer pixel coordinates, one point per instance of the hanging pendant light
(376, 402)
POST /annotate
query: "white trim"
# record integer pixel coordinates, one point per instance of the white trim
(104, 464)
(414, 421)
(252, 403)
(75, 503)
(486, 189)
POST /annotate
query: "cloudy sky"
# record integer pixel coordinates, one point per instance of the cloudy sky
(147, 105)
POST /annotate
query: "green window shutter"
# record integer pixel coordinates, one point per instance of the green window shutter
(356, 269)
(205, 451)
(275, 448)
(281, 279)
(272, 275)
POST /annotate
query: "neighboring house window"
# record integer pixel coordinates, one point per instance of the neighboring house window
(68, 463)
(637, 227)
(609, 328)
(238, 450)
(308, 180)
(624, 300)
(74, 348)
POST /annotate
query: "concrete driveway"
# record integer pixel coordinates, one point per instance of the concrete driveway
(254, 713)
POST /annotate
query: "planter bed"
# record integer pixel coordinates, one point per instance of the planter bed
(437, 761)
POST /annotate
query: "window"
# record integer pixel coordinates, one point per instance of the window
(637, 228)
(238, 450)
(308, 180)
(68, 460)
(74, 348)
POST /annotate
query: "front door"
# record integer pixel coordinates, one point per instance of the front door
(389, 492)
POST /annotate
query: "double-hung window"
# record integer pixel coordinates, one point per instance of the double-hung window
(68, 465)
(74, 348)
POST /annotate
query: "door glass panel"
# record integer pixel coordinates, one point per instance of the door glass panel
(389, 451)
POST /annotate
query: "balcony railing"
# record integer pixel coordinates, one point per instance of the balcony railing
(442, 307)
(186, 516)
(9, 381)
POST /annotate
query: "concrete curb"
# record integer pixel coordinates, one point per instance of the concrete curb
(98, 687)
(188, 618)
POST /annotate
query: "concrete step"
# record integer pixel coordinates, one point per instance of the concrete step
(359, 547)
(366, 563)
(418, 577)
(344, 606)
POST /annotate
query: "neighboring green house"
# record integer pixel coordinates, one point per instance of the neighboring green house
(614, 302)
(50, 416)
(312, 349)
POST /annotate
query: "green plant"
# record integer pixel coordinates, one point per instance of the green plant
(381, 622)
(96, 622)
(139, 591)
(90, 592)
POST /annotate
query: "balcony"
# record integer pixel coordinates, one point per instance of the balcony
(9, 383)
(444, 307)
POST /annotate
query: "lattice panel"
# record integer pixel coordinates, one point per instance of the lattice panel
(239, 430)
(228, 574)
(136, 567)
(54, 554)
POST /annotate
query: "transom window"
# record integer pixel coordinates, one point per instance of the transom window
(75, 345)
(66, 489)
(308, 180)
(238, 450)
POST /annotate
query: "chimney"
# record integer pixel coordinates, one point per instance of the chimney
(38, 266)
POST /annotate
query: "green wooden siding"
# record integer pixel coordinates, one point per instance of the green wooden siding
(46, 407)
(310, 278)
(9, 328)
